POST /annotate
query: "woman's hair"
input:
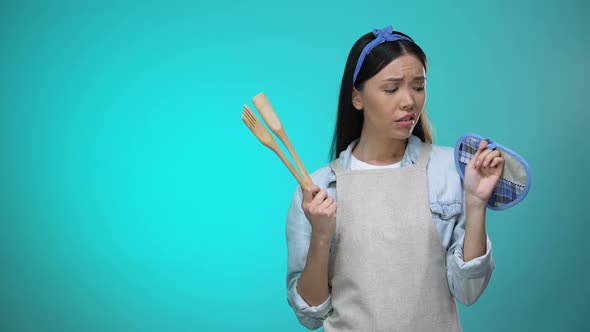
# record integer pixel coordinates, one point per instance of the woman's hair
(349, 122)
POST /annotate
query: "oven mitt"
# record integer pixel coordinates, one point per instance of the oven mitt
(515, 181)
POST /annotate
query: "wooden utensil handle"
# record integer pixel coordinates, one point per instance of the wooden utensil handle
(275, 148)
(285, 139)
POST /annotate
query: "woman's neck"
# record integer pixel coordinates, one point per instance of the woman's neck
(379, 151)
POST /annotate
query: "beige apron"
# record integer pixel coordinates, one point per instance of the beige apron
(388, 270)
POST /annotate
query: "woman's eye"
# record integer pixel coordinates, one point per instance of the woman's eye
(419, 88)
(391, 91)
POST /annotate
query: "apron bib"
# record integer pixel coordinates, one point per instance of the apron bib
(388, 271)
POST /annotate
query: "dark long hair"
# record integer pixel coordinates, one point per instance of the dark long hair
(349, 121)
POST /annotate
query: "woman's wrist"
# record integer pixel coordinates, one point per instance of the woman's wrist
(321, 238)
(473, 202)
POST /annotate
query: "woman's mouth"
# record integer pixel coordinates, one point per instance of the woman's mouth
(408, 123)
(407, 120)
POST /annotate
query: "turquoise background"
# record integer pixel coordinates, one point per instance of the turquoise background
(134, 199)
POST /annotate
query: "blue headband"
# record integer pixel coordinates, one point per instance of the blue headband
(381, 36)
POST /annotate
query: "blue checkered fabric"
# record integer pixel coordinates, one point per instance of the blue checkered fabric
(505, 192)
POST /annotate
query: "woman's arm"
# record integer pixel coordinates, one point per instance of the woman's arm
(481, 176)
(467, 278)
(320, 210)
(475, 230)
(308, 254)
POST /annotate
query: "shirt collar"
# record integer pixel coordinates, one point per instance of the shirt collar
(410, 155)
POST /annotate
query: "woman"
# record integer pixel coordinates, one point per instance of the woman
(406, 236)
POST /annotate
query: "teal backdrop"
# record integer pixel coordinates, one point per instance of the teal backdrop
(133, 198)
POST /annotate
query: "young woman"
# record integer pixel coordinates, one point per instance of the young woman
(389, 236)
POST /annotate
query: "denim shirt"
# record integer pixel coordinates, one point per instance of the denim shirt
(467, 280)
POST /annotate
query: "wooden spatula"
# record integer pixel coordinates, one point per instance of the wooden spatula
(264, 136)
(267, 112)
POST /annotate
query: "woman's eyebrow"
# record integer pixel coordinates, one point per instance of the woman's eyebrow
(399, 79)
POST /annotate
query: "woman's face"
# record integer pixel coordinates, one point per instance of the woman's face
(393, 100)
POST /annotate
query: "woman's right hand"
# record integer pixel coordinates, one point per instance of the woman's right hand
(320, 210)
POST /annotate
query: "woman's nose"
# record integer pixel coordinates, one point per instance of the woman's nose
(407, 101)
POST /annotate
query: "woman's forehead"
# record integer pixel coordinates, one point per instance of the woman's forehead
(403, 67)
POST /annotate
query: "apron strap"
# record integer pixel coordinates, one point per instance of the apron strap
(336, 166)
(424, 156)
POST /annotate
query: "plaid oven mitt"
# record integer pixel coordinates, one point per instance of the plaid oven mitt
(515, 181)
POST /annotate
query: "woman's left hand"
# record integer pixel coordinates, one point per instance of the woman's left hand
(482, 174)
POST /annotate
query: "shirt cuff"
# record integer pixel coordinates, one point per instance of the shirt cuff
(301, 307)
(475, 268)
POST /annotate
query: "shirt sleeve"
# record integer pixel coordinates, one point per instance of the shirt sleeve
(298, 240)
(467, 280)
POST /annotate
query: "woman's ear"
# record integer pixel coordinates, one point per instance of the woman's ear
(357, 101)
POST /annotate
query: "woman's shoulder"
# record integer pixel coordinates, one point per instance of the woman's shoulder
(442, 155)
(323, 176)
(444, 179)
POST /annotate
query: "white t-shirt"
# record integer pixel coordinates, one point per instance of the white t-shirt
(356, 164)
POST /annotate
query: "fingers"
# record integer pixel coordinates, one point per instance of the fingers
(486, 157)
(327, 207)
(497, 161)
(482, 146)
(313, 198)
(326, 203)
(319, 197)
(331, 210)
(309, 192)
